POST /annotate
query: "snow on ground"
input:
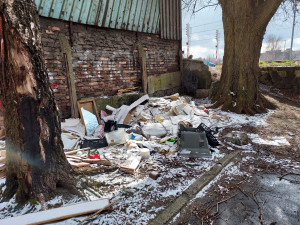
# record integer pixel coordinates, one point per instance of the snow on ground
(230, 171)
(275, 141)
(142, 197)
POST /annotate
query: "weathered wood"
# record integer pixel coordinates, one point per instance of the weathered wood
(89, 105)
(99, 161)
(66, 49)
(142, 55)
(61, 213)
(164, 82)
(77, 164)
(91, 216)
(75, 151)
(127, 90)
(131, 164)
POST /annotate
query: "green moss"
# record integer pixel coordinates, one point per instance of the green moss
(33, 201)
(282, 63)
(262, 63)
(116, 101)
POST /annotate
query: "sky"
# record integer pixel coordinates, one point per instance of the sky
(205, 23)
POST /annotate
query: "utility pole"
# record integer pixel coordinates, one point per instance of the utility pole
(283, 55)
(188, 38)
(293, 31)
(217, 46)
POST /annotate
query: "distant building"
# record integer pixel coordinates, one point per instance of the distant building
(279, 55)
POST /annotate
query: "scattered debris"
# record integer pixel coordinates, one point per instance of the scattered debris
(131, 164)
(154, 175)
(192, 143)
(237, 138)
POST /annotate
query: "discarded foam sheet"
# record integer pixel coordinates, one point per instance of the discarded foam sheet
(121, 113)
(58, 213)
(131, 164)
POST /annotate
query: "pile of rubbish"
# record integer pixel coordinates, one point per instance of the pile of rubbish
(167, 126)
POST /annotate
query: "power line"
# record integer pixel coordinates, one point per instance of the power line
(206, 39)
(220, 28)
(207, 23)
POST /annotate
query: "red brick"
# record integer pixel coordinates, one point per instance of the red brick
(55, 28)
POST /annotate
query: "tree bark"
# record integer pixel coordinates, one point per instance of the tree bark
(35, 161)
(245, 23)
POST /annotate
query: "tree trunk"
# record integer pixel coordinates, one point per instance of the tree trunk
(245, 23)
(36, 163)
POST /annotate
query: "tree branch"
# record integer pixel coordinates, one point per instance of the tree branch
(216, 4)
(265, 12)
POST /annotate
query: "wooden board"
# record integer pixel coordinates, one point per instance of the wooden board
(58, 213)
(131, 164)
(89, 105)
(143, 68)
(164, 82)
(127, 90)
(67, 51)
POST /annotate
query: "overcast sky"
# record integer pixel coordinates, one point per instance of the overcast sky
(205, 23)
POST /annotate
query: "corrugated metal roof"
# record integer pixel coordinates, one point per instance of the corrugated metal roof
(134, 15)
(170, 21)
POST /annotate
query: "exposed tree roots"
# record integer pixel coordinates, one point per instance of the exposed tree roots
(232, 104)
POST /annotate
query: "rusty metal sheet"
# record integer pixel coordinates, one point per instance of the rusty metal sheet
(170, 19)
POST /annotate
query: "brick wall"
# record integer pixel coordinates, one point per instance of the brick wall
(104, 60)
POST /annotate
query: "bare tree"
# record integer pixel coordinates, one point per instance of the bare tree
(245, 23)
(273, 49)
(36, 163)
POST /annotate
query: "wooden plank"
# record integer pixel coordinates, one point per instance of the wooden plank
(77, 163)
(75, 151)
(61, 213)
(131, 164)
(144, 68)
(66, 49)
(99, 161)
(128, 90)
(164, 82)
(89, 105)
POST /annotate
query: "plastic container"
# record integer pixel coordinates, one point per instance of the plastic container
(145, 153)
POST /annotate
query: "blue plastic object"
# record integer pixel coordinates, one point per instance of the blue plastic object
(210, 64)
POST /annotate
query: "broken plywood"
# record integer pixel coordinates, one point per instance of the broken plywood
(131, 164)
(163, 82)
(58, 213)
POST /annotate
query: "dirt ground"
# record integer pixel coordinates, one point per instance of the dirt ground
(262, 186)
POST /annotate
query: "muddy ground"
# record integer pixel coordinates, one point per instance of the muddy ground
(263, 185)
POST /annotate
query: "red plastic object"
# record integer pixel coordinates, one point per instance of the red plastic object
(95, 156)
(205, 110)
(54, 85)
